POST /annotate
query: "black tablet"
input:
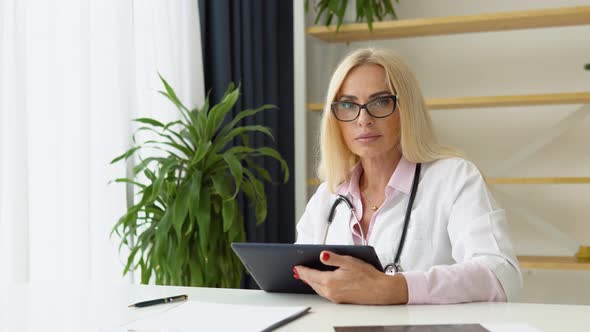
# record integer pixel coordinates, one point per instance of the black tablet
(271, 264)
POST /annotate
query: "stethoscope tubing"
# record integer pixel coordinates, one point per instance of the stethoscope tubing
(395, 266)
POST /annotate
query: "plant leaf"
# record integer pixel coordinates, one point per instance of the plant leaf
(243, 114)
(270, 152)
(228, 212)
(177, 146)
(340, 13)
(263, 172)
(181, 139)
(201, 152)
(180, 209)
(200, 124)
(248, 189)
(125, 180)
(323, 5)
(126, 155)
(204, 218)
(171, 94)
(236, 170)
(260, 203)
(145, 162)
(389, 8)
(149, 121)
(221, 141)
(377, 9)
(369, 13)
(196, 276)
(257, 195)
(169, 138)
(329, 17)
(222, 186)
(129, 266)
(172, 123)
(159, 181)
(360, 10)
(218, 112)
(161, 237)
(195, 189)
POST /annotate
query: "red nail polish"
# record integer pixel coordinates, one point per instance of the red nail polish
(325, 256)
(294, 270)
(296, 276)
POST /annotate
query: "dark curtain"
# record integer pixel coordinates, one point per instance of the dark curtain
(251, 42)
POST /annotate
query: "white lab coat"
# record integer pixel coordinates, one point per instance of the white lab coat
(454, 219)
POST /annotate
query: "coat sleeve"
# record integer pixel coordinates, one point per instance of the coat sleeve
(478, 230)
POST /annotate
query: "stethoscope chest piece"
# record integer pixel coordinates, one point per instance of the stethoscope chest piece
(392, 268)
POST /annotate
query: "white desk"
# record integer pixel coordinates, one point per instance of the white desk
(96, 308)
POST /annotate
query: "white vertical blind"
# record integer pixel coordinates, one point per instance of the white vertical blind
(72, 75)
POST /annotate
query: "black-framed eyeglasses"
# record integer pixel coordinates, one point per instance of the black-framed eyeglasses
(378, 108)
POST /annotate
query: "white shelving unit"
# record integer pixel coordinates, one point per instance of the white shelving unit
(528, 19)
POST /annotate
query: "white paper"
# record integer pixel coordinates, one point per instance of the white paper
(205, 316)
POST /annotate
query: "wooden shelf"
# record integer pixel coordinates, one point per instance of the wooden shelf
(554, 180)
(313, 182)
(552, 263)
(314, 107)
(508, 101)
(528, 19)
(496, 101)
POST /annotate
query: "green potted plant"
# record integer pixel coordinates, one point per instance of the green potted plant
(186, 214)
(368, 10)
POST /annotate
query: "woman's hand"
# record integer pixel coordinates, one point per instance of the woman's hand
(354, 281)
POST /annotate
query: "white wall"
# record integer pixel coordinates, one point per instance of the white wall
(545, 219)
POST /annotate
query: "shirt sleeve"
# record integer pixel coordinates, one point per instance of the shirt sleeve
(462, 282)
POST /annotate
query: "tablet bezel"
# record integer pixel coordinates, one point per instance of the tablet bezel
(271, 264)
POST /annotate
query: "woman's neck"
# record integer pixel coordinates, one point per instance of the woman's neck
(377, 171)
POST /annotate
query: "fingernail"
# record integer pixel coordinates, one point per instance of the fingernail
(325, 256)
(296, 276)
(294, 269)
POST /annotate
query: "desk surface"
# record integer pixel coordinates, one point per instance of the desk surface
(98, 308)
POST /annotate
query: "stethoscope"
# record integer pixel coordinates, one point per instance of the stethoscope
(394, 267)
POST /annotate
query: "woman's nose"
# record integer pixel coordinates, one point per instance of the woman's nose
(364, 117)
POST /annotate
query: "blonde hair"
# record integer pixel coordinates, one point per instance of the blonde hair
(417, 140)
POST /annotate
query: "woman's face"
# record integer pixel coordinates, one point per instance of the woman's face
(366, 136)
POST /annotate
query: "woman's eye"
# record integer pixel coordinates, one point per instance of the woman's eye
(347, 105)
(382, 102)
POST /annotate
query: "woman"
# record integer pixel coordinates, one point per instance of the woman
(376, 136)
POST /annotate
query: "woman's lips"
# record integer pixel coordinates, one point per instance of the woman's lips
(367, 138)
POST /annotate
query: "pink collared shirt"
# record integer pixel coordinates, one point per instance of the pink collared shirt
(460, 282)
